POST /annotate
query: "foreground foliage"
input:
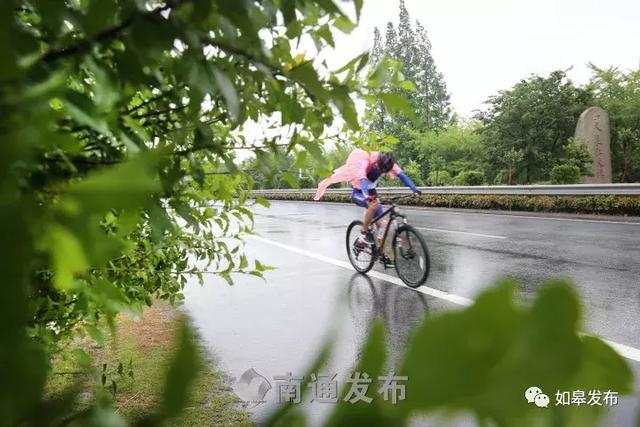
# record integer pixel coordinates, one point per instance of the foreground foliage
(482, 359)
(120, 123)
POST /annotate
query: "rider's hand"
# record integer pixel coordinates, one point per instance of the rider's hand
(417, 193)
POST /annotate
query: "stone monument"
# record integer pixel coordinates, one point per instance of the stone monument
(593, 130)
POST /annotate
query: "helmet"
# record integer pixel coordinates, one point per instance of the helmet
(386, 162)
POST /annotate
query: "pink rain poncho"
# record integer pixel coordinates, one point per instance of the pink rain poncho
(356, 168)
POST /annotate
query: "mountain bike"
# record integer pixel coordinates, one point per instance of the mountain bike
(408, 253)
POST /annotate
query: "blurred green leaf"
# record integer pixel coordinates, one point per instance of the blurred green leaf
(291, 179)
(372, 362)
(82, 109)
(68, 255)
(182, 372)
(308, 77)
(228, 92)
(262, 201)
(396, 103)
(345, 25)
(125, 186)
(346, 106)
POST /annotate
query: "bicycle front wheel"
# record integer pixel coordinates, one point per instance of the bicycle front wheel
(362, 257)
(411, 256)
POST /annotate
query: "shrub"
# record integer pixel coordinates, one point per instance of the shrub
(439, 178)
(469, 178)
(565, 174)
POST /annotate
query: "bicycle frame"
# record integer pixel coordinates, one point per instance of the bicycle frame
(393, 214)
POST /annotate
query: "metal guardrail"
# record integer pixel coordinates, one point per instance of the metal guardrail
(521, 190)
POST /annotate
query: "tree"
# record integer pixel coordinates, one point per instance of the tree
(458, 146)
(428, 94)
(436, 164)
(537, 117)
(512, 159)
(119, 127)
(619, 94)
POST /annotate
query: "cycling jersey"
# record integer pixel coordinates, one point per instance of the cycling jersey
(360, 171)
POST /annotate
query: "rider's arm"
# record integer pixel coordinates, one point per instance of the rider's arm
(364, 186)
(407, 181)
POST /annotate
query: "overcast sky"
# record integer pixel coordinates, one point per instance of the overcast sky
(483, 46)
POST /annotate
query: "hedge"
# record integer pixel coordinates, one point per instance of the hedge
(604, 205)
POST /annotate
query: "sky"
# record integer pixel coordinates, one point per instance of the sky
(483, 46)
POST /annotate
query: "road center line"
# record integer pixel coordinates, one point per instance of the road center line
(626, 351)
(441, 230)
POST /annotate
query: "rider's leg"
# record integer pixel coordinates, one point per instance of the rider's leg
(359, 199)
(373, 208)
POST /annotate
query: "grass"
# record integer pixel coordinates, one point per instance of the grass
(135, 359)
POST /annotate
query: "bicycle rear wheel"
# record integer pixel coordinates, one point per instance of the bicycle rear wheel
(411, 256)
(362, 257)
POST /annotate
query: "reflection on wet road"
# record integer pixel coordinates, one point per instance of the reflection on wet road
(276, 326)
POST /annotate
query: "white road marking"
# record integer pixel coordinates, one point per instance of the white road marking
(626, 351)
(629, 352)
(378, 275)
(461, 232)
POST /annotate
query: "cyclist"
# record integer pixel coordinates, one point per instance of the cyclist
(363, 170)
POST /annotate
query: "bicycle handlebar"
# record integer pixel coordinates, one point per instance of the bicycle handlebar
(396, 199)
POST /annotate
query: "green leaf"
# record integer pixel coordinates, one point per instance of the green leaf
(101, 14)
(243, 262)
(347, 108)
(329, 6)
(364, 60)
(51, 13)
(291, 180)
(124, 186)
(68, 255)
(407, 85)
(358, 5)
(501, 349)
(344, 24)
(396, 103)
(182, 372)
(288, 8)
(106, 92)
(380, 75)
(82, 357)
(95, 333)
(325, 32)
(372, 362)
(227, 277)
(306, 75)
(262, 201)
(261, 267)
(82, 110)
(228, 92)
(282, 415)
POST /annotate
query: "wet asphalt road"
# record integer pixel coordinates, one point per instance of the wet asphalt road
(276, 326)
